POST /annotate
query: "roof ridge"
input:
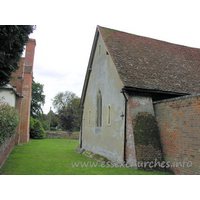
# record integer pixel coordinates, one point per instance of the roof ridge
(150, 38)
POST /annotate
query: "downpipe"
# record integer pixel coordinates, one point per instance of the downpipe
(125, 120)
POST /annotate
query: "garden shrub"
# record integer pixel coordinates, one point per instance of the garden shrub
(36, 129)
(31, 123)
(9, 119)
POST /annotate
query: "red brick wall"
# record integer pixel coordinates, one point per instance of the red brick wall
(25, 112)
(18, 106)
(30, 52)
(130, 144)
(179, 126)
(149, 158)
(27, 84)
(6, 148)
(22, 80)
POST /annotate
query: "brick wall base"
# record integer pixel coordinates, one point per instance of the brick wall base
(6, 148)
(149, 158)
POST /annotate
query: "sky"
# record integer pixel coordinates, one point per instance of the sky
(65, 32)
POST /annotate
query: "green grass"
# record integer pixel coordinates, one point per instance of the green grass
(54, 157)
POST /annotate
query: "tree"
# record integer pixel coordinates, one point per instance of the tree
(38, 99)
(65, 102)
(45, 122)
(68, 118)
(54, 118)
(13, 38)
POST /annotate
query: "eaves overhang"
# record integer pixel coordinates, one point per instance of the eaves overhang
(9, 87)
(155, 94)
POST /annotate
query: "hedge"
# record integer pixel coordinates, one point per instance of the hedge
(9, 119)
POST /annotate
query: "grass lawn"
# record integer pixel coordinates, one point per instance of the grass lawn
(54, 157)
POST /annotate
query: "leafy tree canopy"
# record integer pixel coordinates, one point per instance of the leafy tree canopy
(64, 99)
(38, 99)
(13, 38)
(68, 119)
(67, 108)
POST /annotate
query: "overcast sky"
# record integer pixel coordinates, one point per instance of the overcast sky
(65, 33)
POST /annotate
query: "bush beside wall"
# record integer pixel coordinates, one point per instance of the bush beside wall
(36, 129)
(9, 119)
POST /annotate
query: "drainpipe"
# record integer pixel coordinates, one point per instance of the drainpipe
(125, 119)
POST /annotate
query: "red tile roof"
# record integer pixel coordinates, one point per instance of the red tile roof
(151, 64)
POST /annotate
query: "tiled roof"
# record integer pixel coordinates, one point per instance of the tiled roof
(9, 87)
(151, 64)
